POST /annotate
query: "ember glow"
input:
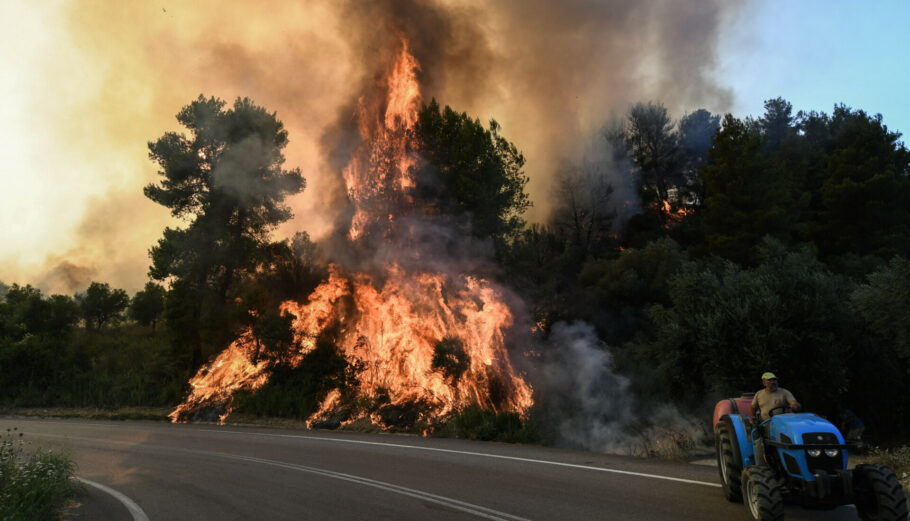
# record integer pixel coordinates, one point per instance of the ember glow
(391, 319)
(674, 217)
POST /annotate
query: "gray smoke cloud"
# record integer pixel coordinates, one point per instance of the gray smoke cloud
(583, 403)
(66, 277)
(552, 73)
(110, 80)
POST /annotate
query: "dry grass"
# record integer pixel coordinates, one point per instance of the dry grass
(361, 425)
(897, 459)
(89, 413)
(264, 421)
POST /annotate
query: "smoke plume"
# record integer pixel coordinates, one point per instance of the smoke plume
(584, 404)
(109, 79)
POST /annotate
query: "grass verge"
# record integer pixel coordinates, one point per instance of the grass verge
(897, 459)
(91, 413)
(34, 486)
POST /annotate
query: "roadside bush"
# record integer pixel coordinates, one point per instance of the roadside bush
(474, 423)
(295, 392)
(33, 487)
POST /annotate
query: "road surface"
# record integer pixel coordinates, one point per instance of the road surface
(208, 472)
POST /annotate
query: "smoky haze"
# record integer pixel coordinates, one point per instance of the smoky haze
(552, 73)
(112, 79)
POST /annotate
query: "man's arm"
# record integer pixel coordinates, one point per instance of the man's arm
(755, 409)
(794, 405)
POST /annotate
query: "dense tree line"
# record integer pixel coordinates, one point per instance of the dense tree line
(787, 255)
(778, 243)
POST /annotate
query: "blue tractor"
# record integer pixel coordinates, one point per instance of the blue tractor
(799, 458)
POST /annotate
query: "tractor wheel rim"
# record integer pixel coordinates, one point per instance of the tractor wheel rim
(752, 498)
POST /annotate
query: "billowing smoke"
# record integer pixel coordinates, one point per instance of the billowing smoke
(110, 79)
(583, 403)
(552, 73)
(578, 392)
(67, 277)
(595, 193)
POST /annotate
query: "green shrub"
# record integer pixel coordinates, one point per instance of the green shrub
(295, 392)
(474, 423)
(33, 487)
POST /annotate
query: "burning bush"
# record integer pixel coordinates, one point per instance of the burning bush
(450, 357)
(296, 391)
(474, 423)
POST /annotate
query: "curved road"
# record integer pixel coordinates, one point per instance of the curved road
(206, 472)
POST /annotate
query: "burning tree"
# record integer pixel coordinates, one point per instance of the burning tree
(226, 180)
(401, 288)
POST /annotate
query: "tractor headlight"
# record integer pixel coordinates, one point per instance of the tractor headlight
(831, 452)
(814, 452)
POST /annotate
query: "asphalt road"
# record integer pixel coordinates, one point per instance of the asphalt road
(207, 472)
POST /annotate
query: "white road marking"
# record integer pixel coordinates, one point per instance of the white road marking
(469, 453)
(135, 511)
(469, 508)
(451, 451)
(139, 515)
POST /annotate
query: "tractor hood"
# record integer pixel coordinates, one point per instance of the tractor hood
(795, 425)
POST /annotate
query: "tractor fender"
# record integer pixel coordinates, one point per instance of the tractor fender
(743, 450)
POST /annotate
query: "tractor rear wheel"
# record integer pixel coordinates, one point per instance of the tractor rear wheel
(879, 495)
(728, 466)
(761, 493)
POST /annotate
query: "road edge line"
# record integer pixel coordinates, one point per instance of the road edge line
(131, 506)
(472, 453)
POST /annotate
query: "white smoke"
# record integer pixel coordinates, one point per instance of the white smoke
(591, 407)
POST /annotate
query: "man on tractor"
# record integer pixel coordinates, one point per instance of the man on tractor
(771, 400)
(800, 457)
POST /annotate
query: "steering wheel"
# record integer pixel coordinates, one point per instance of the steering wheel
(783, 409)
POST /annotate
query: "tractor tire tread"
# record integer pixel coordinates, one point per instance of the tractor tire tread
(889, 502)
(767, 489)
(733, 486)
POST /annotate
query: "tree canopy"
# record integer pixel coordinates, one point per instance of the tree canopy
(101, 305)
(840, 183)
(226, 181)
(472, 172)
(148, 304)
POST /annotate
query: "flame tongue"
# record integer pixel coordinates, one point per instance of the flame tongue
(404, 91)
(380, 171)
(392, 332)
(431, 342)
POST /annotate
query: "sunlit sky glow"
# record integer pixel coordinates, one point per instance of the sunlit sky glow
(86, 84)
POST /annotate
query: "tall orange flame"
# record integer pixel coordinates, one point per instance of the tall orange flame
(392, 323)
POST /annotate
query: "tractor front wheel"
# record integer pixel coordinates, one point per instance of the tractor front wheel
(761, 493)
(879, 495)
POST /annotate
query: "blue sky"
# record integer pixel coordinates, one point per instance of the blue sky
(818, 53)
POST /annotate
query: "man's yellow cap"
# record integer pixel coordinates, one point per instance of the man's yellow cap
(768, 376)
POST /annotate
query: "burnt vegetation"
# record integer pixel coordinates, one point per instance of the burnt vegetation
(779, 243)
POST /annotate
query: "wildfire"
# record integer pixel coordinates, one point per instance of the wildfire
(674, 217)
(429, 341)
